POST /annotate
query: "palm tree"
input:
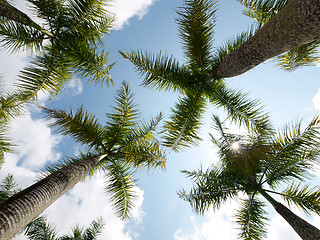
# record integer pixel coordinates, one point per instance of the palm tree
(293, 26)
(254, 166)
(8, 187)
(262, 12)
(67, 41)
(193, 80)
(118, 148)
(39, 229)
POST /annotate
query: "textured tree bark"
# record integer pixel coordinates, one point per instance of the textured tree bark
(305, 230)
(10, 12)
(298, 23)
(23, 207)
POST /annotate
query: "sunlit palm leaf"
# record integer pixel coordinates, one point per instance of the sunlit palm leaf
(81, 126)
(183, 126)
(196, 22)
(304, 197)
(159, 71)
(120, 185)
(8, 187)
(252, 219)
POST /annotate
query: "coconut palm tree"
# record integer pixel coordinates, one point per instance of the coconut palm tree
(39, 229)
(118, 149)
(262, 12)
(66, 40)
(296, 24)
(193, 80)
(252, 167)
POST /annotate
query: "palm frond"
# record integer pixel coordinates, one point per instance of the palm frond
(252, 219)
(196, 22)
(45, 73)
(183, 126)
(211, 189)
(124, 116)
(306, 55)
(8, 187)
(17, 37)
(240, 109)
(294, 152)
(140, 146)
(159, 71)
(304, 197)
(82, 126)
(39, 229)
(120, 184)
(6, 145)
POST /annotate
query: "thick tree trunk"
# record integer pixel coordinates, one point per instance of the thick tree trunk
(296, 24)
(305, 230)
(23, 207)
(10, 12)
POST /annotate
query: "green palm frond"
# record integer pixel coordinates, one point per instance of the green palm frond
(304, 197)
(6, 145)
(211, 189)
(183, 126)
(294, 152)
(45, 73)
(89, 19)
(39, 229)
(81, 126)
(140, 146)
(48, 10)
(239, 108)
(306, 55)
(124, 116)
(17, 37)
(120, 184)
(159, 71)
(8, 187)
(196, 22)
(252, 220)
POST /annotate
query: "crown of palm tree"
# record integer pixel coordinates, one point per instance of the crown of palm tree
(262, 11)
(193, 79)
(67, 41)
(124, 143)
(260, 165)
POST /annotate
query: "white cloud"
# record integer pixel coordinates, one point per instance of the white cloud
(75, 86)
(126, 9)
(316, 101)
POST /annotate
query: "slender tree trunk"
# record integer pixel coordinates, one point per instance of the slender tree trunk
(10, 12)
(298, 23)
(23, 207)
(304, 229)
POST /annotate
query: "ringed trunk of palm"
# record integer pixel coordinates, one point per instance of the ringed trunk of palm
(304, 229)
(20, 209)
(298, 23)
(10, 12)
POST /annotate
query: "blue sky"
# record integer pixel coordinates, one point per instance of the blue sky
(159, 213)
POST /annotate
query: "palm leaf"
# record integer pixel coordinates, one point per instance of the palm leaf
(304, 197)
(252, 219)
(211, 189)
(81, 126)
(8, 187)
(196, 22)
(39, 229)
(120, 185)
(183, 126)
(159, 71)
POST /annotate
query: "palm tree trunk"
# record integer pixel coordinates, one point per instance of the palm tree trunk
(10, 12)
(23, 207)
(298, 23)
(304, 229)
